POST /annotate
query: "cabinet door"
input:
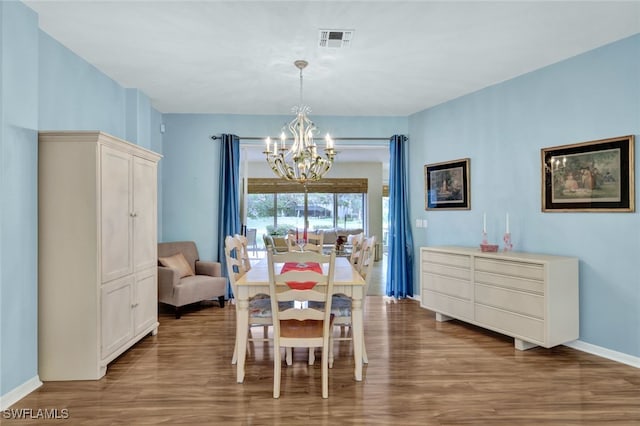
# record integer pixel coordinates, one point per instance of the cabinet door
(145, 214)
(115, 214)
(116, 315)
(146, 300)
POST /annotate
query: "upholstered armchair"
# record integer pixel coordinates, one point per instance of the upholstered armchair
(184, 279)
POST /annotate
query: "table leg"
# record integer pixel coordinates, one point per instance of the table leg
(358, 334)
(242, 328)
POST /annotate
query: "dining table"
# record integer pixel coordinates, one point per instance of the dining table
(255, 281)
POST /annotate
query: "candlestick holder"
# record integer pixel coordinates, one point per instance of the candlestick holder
(485, 246)
(508, 246)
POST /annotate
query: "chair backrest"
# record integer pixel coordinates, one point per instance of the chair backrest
(244, 251)
(291, 239)
(356, 250)
(251, 236)
(315, 240)
(366, 260)
(268, 242)
(301, 277)
(235, 266)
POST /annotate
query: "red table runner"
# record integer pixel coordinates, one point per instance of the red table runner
(309, 266)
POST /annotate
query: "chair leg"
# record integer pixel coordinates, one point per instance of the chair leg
(325, 372)
(234, 358)
(312, 356)
(330, 352)
(365, 358)
(221, 301)
(277, 365)
(289, 355)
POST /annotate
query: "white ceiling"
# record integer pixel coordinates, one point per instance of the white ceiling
(237, 56)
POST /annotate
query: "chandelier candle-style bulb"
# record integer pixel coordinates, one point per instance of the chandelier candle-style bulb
(329, 141)
(301, 162)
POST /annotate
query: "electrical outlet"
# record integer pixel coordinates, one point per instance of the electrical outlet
(418, 223)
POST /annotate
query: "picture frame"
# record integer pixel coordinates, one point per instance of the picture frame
(447, 185)
(594, 176)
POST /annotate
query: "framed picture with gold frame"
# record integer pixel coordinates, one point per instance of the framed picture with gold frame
(595, 176)
(447, 185)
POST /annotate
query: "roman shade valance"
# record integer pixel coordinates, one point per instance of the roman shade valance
(327, 186)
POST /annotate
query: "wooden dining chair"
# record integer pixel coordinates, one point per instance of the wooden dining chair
(341, 304)
(259, 305)
(244, 252)
(300, 277)
(292, 241)
(356, 248)
(315, 241)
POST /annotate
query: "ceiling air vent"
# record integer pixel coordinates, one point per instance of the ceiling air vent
(335, 38)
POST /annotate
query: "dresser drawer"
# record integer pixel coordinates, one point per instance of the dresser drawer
(527, 328)
(449, 271)
(447, 305)
(511, 282)
(508, 267)
(510, 300)
(459, 260)
(446, 285)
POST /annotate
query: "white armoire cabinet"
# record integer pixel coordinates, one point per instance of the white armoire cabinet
(97, 251)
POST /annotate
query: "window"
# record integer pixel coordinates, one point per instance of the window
(275, 205)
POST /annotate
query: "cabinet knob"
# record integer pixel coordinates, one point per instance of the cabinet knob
(133, 214)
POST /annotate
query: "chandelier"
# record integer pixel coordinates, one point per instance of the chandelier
(300, 162)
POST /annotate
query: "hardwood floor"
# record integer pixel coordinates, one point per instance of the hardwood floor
(420, 372)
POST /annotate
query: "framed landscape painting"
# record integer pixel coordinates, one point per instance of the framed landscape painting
(447, 185)
(596, 176)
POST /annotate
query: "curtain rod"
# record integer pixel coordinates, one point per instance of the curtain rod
(260, 138)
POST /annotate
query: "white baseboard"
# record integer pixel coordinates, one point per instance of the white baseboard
(15, 395)
(623, 358)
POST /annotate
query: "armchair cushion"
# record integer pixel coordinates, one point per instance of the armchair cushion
(179, 263)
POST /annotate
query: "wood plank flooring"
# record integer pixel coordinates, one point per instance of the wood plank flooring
(420, 372)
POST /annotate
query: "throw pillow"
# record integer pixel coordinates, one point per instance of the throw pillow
(177, 261)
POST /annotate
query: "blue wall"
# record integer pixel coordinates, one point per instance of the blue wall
(44, 86)
(190, 167)
(502, 128)
(75, 95)
(18, 195)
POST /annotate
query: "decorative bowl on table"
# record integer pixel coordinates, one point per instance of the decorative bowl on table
(489, 247)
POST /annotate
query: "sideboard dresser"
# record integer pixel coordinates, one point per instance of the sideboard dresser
(530, 297)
